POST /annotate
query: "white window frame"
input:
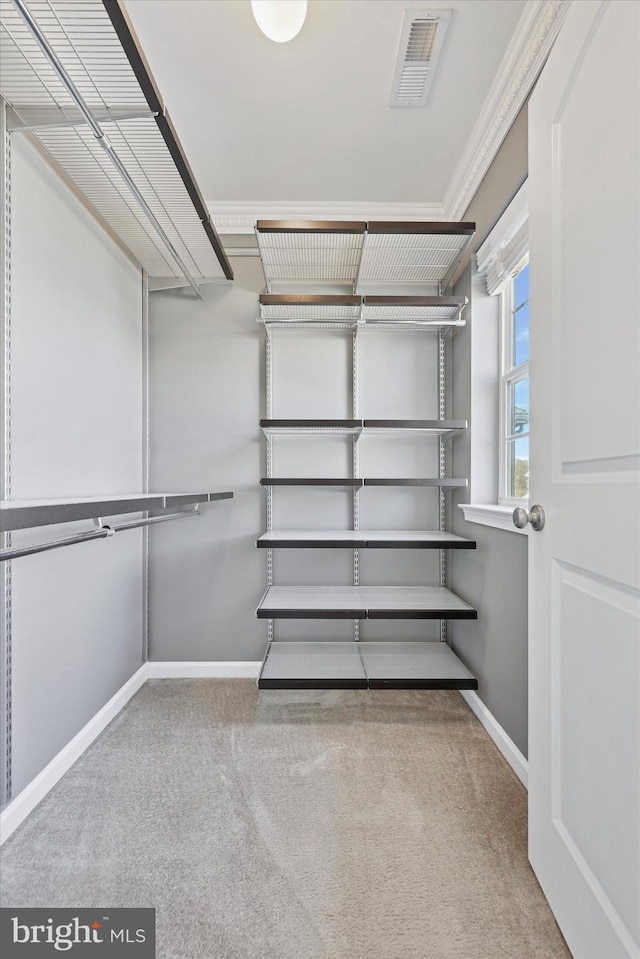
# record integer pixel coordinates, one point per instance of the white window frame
(509, 374)
(497, 258)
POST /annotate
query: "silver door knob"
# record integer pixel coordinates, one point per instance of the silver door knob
(535, 516)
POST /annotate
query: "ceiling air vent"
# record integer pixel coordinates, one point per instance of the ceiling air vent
(419, 49)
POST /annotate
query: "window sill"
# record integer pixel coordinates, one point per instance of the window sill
(500, 517)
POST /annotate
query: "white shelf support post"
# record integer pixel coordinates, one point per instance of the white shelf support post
(442, 464)
(5, 465)
(355, 405)
(269, 412)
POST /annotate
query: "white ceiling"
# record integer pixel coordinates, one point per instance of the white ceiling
(309, 120)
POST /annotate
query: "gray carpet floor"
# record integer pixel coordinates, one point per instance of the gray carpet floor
(293, 825)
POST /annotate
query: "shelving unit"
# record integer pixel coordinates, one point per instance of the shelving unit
(361, 254)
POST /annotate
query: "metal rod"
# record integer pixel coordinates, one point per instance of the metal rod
(101, 533)
(102, 139)
(16, 552)
(269, 412)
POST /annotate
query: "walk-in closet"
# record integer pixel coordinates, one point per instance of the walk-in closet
(319, 529)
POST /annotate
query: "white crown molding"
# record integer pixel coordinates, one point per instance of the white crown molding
(239, 217)
(534, 36)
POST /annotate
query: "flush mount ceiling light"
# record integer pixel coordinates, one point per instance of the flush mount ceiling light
(280, 20)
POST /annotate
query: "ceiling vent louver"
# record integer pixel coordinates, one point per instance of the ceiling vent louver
(421, 41)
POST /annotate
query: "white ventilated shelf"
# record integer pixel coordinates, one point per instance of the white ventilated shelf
(345, 427)
(99, 52)
(310, 250)
(413, 253)
(418, 665)
(443, 428)
(26, 514)
(306, 663)
(350, 665)
(445, 483)
(363, 602)
(310, 427)
(429, 314)
(362, 253)
(326, 481)
(363, 539)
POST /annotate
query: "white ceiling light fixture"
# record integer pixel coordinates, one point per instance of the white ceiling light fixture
(421, 41)
(280, 20)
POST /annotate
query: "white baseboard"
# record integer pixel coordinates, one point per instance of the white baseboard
(506, 745)
(19, 808)
(190, 670)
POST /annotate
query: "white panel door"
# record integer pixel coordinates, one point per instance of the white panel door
(584, 640)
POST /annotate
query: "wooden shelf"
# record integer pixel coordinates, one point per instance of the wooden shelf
(271, 427)
(351, 427)
(310, 481)
(362, 602)
(444, 483)
(363, 539)
(349, 665)
(362, 253)
(428, 314)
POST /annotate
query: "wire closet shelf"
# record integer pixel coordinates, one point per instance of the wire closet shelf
(77, 84)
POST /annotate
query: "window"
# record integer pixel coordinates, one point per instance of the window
(499, 367)
(514, 388)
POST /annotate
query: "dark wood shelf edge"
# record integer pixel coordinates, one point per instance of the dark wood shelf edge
(365, 614)
(361, 544)
(311, 613)
(422, 683)
(310, 481)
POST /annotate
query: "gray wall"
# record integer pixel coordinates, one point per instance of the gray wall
(206, 575)
(76, 429)
(494, 576)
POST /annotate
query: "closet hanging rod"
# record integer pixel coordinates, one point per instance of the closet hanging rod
(102, 533)
(15, 553)
(103, 140)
